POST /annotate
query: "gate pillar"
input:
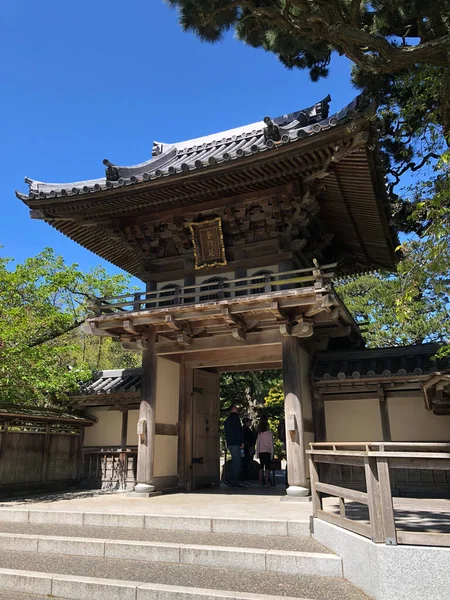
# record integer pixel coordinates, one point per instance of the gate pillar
(295, 360)
(146, 423)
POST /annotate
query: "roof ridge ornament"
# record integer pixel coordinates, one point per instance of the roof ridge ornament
(157, 149)
(111, 171)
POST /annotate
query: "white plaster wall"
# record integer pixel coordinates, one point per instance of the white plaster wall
(167, 391)
(166, 456)
(163, 284)
(107, 431)
(272, 268)
(410, 421)
(202, 278)
(133, 417)
(353, 421)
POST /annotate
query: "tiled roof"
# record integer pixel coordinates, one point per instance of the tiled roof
(32, 413)
(112, 382)
(204, 152)
(378, 362)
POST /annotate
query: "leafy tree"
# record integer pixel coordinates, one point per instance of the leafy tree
(43, 302)
(381, 37)
(385, 319)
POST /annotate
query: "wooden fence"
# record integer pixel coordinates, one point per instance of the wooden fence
(37, 454)
(378, 521)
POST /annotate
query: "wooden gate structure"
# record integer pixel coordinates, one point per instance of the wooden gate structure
(237, 237)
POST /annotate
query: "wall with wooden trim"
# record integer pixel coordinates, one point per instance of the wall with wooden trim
(167, 391)
(360, 420)
(167, 401)
(353, 420)
(107, 430)
(166, 456)
(411, 422)
(133, 418)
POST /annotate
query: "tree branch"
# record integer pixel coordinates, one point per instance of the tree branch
(53, 336)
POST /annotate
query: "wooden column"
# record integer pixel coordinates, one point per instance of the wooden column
(146, 423)
(384, 414)
(318, 407)
(189, 427)
(295, 443)
(181, 424)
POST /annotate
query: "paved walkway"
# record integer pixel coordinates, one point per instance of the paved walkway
(252, 503)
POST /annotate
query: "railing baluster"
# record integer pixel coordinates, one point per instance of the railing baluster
(374, 497)
(387, 506)
(314, 478)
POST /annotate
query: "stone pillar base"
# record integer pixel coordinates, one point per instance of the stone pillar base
(144, 488)
(297, 491)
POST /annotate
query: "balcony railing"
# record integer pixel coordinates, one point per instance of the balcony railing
(217, 289)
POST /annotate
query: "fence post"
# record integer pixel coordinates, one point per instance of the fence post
(387, 506)
(374, 498)
(314, 478)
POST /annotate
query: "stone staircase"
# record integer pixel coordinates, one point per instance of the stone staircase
(105, 556)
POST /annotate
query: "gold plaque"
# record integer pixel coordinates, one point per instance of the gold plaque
(207, 238)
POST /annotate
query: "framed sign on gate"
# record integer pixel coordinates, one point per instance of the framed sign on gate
(207, 238)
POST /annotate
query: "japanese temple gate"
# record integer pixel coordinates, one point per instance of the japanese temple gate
(238, 237)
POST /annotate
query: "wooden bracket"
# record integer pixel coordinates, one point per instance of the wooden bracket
(302, 329)
(128, 326)
(239, 335)
(184, 339)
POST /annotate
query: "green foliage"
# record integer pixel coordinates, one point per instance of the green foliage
(274, 409)
(385, 319)
(259, 394)
(43, 302)
(382, 38)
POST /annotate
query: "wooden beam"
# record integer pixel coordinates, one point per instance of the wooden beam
(263, 338)
(166, 429)
(235, 357)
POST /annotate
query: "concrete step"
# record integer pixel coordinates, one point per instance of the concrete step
(251, 559)
(268, 542)
(96, 578)
(277, 527)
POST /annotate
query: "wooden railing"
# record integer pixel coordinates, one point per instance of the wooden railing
(109, 468)
(219, 289)
(377, 458)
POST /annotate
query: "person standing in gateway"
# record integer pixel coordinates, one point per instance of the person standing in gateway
(235, 443)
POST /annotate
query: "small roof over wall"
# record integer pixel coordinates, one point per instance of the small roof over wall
(379, 363)
(34, 413)
(110, 387)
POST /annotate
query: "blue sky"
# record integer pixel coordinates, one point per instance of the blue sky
(83, 81)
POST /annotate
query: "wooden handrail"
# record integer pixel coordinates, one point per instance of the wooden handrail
(377, 463)
(137, 301)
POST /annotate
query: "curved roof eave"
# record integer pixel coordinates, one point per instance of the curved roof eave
(203, 152)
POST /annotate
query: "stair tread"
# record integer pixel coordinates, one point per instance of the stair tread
(298, 544)
(277, 584)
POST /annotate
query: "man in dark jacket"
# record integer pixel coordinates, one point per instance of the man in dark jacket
(235, 443)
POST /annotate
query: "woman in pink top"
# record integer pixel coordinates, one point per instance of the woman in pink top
(264, 451)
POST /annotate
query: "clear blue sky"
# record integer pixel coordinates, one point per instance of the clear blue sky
(82, 81)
